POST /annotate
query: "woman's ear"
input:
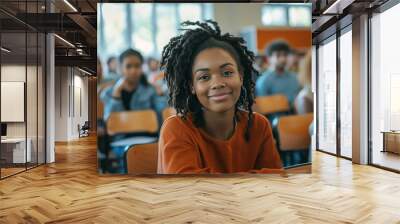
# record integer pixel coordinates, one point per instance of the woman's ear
(192, 90)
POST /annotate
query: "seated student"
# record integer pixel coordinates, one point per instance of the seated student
(305, 100)
(210, 84)
(132, 91)
(156, 77)
(112, 65)
(277, 80)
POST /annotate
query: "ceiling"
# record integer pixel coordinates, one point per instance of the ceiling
(79, 27)
(326, 13)
(74, 22)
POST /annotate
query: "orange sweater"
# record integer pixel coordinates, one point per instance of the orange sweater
(184, 148)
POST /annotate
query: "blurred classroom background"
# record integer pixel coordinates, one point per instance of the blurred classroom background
(147, 28)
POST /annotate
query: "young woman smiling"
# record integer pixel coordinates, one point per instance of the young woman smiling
(210, 86)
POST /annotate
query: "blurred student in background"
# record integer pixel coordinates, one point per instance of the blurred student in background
(277, 80)
(260, 65)
(131, 91)
(304, 101)
(294, 59)
(156, 77)
(112, 70)
(209, 75)
(152, 69)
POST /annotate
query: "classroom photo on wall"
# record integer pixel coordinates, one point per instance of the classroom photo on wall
(204, 88)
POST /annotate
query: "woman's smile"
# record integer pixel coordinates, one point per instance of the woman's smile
(218, 97)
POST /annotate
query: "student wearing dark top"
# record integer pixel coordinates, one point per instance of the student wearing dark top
(131, 91)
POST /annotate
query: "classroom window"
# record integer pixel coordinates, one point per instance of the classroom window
(274, 15)
(114, 26)
(189, 11)
(166, 25)
(327, 96)
(300, 15)
(292, 15)
(152, 25)
(142, 27)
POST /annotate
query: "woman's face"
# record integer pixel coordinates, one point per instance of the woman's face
(216, 80)
(132, 68)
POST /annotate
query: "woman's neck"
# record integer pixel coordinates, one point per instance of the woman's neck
(219, 125)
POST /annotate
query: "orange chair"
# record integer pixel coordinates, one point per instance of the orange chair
(271, 104)
(294, 139)
(168, 112)
(142, 125)
(293, 132)
(132, 121)
(142, 159)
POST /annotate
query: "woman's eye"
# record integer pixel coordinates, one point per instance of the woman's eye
(204, 77)
(227, 73)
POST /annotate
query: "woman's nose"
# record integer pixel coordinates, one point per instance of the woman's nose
(218, 83)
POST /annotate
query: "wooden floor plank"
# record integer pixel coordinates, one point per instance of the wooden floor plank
(71, 191)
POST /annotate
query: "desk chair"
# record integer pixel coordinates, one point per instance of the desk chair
(84, 129)
(132, 121)
(126, 129)
(293, 138)
(272, 104)
(142, 159)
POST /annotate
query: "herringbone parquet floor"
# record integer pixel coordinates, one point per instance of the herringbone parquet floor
(70, 191)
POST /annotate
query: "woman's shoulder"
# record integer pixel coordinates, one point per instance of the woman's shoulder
(177, 124)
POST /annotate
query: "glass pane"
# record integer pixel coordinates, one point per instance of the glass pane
(142, 28)
(41, 99)
(274, 15)
(385, 89)
(166, 25)
(327, 97)
(346, 94)
(13, 72)
(300, 15)
(31, 98)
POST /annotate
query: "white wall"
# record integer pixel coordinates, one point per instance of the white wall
(16, 73)
(70, 83)
(10, 73)
(33, 127)
(61, 103)
(234, 17)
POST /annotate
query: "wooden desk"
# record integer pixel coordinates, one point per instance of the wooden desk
(13, 150)
(391, 141)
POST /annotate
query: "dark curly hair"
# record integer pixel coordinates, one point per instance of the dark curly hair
(177, 62)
